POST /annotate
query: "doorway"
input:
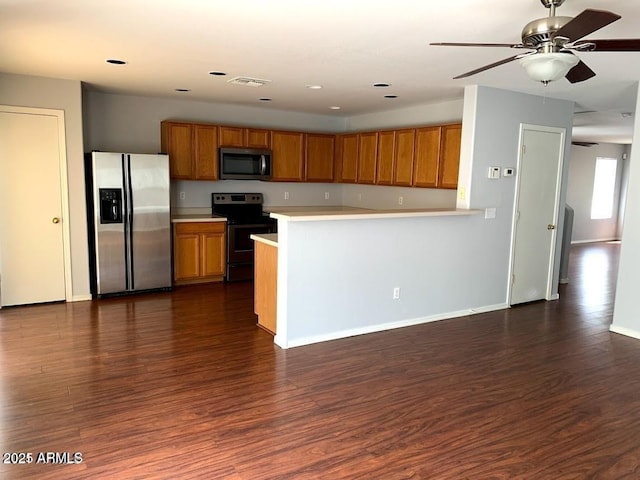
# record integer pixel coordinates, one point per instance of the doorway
(34, 241)
(539, 175)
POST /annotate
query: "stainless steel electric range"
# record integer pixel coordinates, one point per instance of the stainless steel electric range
(244, 217)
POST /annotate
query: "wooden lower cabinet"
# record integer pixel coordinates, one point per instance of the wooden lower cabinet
(265, 285)
(198, 252)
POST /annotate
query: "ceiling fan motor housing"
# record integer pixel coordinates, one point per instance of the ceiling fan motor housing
(539, 33)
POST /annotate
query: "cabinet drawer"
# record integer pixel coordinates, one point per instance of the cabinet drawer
(199, 227)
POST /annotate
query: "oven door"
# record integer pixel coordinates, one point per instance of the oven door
(240, 245)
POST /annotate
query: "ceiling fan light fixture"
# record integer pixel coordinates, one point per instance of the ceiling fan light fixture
(547, 67)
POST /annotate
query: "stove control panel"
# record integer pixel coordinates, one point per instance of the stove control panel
(236, 199)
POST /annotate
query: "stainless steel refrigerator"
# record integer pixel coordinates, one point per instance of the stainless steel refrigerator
(129, 222)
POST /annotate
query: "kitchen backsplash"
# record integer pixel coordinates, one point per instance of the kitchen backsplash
(194, 197)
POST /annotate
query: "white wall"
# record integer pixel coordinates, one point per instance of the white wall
(582, 168)
(127, 123)
(490, 137)
(624, 189)
(626, 320)
(39, 92)
(339, 276)
(436, 113)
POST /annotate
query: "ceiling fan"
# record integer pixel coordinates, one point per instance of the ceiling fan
(552, 41)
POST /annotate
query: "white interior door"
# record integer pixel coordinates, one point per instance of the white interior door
(536, 213)
(32, 263)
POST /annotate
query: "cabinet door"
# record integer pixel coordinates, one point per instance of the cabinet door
(177, 141)
(367, 157)
(213, 254)
(319, 157)
(287, 156)
(427, 155)
(257, 138)
(450, 156)
(186, 256)
(231, 136)
(405, 140)
(386, 157)
(348, 158)
(206, 152)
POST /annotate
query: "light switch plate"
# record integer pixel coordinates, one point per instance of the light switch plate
(489, 213)
(494, 172)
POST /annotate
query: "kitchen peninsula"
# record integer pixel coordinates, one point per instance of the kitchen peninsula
(339, 269)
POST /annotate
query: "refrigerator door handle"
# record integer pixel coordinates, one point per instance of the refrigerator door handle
(128, 225)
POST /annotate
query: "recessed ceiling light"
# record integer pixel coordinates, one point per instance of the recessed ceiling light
(314, 87)
(182, 90)
(265, 99)
(382, 85)
(115, 61)
(217, 74)
(335, 108)
(391, 96)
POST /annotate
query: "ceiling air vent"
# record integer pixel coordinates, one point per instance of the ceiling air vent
(248, 81)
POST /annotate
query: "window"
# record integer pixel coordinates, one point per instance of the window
(604, 185)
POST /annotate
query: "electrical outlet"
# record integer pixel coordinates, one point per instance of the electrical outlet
(400, 200)
(326, 195)
(183, 195)
(286, 195)
(359, 197)
(396, 291)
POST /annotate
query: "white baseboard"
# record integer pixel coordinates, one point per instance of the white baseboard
(352, 332)
(625, 331)
(80, 298)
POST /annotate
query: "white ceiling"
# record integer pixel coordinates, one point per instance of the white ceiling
(344, 45)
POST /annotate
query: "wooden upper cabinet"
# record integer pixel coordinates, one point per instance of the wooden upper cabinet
(231, 136)
(242, 137)
(405, 143)
(319, 157)
(348, 158)
(287, 159)
(450, 156)
(426, 157)
(257, 138)
(177, 142)
(206, 152)
(367, 157)
(386, 157)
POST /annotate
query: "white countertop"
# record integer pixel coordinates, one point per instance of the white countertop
(268, 238)
(314, 214)
(196, 218)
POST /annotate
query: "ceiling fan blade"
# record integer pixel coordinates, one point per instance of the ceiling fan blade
(454, 44)
(587, 22)
(613, 45)
(580, 73)
(584, 144)
(496, 64)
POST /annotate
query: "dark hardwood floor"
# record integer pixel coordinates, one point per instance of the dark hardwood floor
(183, 385)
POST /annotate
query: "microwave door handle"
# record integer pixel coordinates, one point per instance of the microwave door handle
(263, 165)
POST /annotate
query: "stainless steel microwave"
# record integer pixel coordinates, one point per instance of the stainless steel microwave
(244, 164)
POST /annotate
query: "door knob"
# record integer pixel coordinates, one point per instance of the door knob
(551, 227)
(55, 220)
